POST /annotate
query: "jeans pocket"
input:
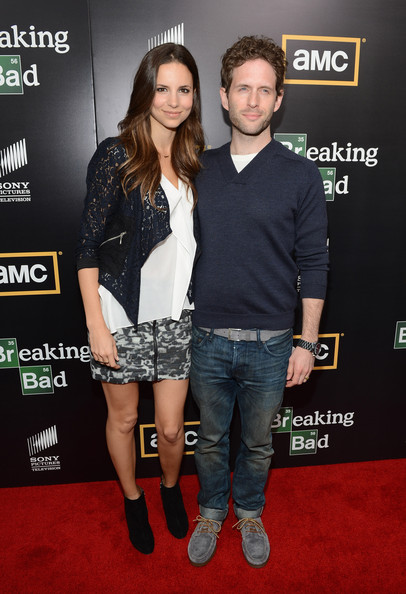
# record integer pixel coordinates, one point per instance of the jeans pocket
(279, 346)
(199, 337)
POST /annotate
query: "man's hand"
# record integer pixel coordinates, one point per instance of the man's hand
(300, 366)
(301, 361)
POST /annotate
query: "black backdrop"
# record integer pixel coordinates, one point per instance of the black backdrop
(64, 85)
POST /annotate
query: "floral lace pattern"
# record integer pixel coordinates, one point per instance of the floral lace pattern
(105, 203)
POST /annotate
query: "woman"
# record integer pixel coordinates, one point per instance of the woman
(135, 258)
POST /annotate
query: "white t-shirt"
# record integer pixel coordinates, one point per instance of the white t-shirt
(241, 161)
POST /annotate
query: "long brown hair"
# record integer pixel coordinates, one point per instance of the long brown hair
(142, 167)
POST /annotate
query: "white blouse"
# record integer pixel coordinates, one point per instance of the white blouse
(166, 274)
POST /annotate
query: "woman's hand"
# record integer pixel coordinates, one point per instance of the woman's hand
(102, 344)
(103, 347)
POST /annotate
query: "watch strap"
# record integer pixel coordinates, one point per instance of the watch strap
(313, 347)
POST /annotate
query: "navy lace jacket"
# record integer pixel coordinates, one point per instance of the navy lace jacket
(117, 233)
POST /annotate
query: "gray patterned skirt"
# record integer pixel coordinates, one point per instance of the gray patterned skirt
(155, 351)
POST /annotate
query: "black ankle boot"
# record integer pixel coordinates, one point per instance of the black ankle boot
(175, 513)
(140, 532)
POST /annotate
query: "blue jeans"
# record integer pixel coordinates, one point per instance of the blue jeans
(254, 374)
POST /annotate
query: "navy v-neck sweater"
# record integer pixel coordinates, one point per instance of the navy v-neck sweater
(260, 229)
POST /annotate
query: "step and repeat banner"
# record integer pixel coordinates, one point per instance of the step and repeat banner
(66, 72)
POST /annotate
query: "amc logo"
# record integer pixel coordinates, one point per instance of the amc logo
(148, 439)
(29, 273)
(314, 60)
(328, 356)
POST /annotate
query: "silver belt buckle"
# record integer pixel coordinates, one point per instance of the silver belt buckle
(230, 330)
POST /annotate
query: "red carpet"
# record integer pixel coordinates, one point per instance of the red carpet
(333, 529)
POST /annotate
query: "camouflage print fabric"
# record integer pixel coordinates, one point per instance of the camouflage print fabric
(155, 351)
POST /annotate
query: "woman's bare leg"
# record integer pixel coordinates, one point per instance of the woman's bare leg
(170, 396)
(122, 403)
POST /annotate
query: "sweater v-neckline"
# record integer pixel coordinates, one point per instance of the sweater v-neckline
(230, 172)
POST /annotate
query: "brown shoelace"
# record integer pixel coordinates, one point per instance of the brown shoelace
(250, 524)
(208, 525)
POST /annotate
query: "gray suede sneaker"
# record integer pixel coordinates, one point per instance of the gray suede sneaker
(203, 542)
(255, 543)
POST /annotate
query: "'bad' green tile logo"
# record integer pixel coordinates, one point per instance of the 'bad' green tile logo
(328, 175)
(11, 80)
(36, 379)
(303, 442)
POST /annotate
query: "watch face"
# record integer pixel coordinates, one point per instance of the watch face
(317, 349)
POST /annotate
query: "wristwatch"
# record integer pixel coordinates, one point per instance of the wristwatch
(313, 347)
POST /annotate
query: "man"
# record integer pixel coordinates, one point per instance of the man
(263, 222)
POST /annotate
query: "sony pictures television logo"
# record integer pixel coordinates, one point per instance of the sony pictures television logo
(12, 159)
(173, 35)
(40, 442)
(320, 60)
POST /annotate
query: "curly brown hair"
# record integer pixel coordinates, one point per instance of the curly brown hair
(142, 167)
(252, 47)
